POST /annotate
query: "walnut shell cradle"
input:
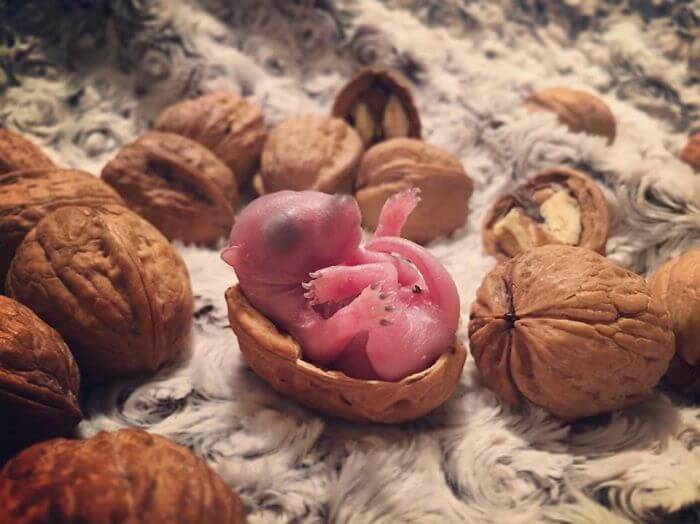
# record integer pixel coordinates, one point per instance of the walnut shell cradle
(276, 358)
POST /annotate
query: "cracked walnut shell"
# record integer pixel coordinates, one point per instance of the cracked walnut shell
(402, 163)
(558, 206)
(122, 477)
(27, 196)
(223, 121)
(677, 284)
(578, 110)
(176, 184)
(310, 152)
(691, 152)
(276, 358)
(39, 379)
(18, 153)
(569, 331)
(111, 284)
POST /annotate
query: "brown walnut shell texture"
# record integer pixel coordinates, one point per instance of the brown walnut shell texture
(578, 110)
(373, 87)
(677, 284)
(595, 214)
(228, 124)
(39, 379)
(569, 331)
(111, 284)
(127, 476)
(311, 152)
(691, 152)
(18, 153)
(27, 196)
(276, 358)
(176, 184)
(402, 163)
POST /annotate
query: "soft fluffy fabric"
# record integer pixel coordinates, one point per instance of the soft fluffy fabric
(83, 78)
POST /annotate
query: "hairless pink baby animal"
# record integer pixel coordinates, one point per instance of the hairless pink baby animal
(297, 256)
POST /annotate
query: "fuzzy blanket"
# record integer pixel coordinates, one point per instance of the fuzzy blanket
(84, 78)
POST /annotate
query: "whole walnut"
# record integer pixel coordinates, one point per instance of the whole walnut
(127, 476)
(557, 206)
(310, 152)
(691, 152)
(111, 284)
(18, 153)
(401, 163)
(39, 380)
(677, 284)
(568, 330)
(228, 124)
(176, 184)
(27, 196)
(578, 110)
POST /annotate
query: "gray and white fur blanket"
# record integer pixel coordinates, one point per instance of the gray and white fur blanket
(85, 77)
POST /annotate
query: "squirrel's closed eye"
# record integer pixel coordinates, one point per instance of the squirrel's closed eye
(282, 233)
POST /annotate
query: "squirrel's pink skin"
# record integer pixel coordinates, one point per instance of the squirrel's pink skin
(297, 253)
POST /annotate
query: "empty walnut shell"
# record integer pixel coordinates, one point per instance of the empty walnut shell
(402, 163)
(558, 206)
(310, 152)
(378, 103)
(677, 284)
(27, 196)
(691, 152)
(276, 358)
(577, 110)
(111, 284)
(568, 330)
(18, 153)
(231, 126)
(122, 477)
(39, 380)
(176, 184)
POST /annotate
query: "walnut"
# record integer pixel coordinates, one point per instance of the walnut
(577, 110)
(378, 103)
(691, 152)
(402, 163)
(120, 477)
(18, 153)
(277, 359)
(111, 284)
(310, 152)
(558, 206)
(178, 185)
(677, 284)
(567, 330)
(27, 196)
(39, 379)
(231, 126)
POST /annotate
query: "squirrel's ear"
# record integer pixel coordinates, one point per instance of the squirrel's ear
(230, 256)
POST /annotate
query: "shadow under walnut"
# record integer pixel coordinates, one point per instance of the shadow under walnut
(276, 358)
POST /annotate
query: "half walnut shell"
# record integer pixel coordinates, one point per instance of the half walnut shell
(178, 185)
(691, 152)
(276, 358)
(558, 206)
(378, 103)
(18, 153)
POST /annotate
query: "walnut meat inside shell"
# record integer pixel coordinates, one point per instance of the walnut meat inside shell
(310, 152)
(27, 196)
(569, 331)
(378, 103)
(578, 110)
(121, 477)
(18, 153)
(111, 284)
(39, 379)
(558, 206)
(677, 284)
(402, 163)
(178, 185)
(228, 124)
